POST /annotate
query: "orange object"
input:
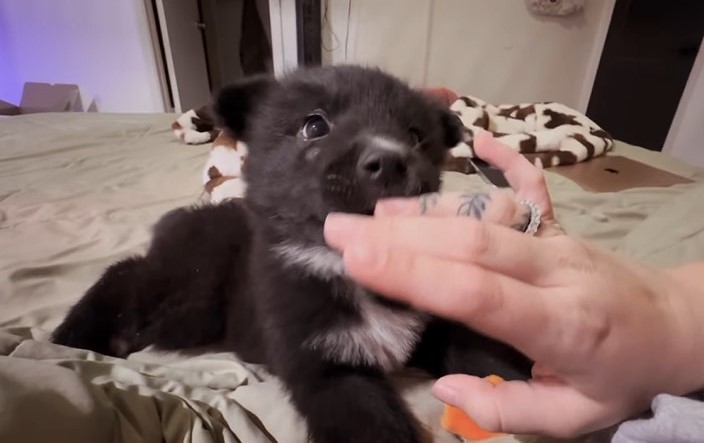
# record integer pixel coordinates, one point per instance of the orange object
(456, 421)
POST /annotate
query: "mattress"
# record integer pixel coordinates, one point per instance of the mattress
(80, 191)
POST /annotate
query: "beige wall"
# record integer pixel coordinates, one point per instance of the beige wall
(493, 49)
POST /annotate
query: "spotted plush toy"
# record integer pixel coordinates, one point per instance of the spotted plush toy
(549, 134)
(555, 7)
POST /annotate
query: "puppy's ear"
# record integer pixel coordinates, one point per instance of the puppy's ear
(234, 104)
(452, 127)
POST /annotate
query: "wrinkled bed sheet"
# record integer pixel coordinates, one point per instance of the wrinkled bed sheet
(78, 191)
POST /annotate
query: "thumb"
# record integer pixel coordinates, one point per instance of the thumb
(517, 407)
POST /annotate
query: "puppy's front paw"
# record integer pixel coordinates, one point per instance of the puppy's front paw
(370, 429)
(346, 405)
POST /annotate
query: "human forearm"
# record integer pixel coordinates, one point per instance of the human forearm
(687, 292)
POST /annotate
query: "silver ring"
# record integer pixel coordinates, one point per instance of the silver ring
(535, 214)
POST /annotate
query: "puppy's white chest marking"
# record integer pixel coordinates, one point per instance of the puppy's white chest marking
(318, 261)
(383, 337)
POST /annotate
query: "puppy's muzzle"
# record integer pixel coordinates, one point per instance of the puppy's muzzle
(382, 167)
(376, 167)
(383, 162)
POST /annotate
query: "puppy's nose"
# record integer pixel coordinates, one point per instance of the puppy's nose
(382, 165)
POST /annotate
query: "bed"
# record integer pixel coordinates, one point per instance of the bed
(81, 190)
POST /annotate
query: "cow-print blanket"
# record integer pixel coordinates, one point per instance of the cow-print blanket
(549, 134)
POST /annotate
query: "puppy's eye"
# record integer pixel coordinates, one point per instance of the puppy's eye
(315, 126)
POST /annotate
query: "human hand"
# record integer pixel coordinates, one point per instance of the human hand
(500, 206)
(606, 333)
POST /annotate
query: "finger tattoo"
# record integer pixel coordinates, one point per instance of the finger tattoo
(473, 205)
(428, 201)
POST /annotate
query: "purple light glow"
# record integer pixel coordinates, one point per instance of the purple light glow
(10, 85)
(103, 46)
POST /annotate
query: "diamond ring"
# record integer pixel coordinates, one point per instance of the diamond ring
(533, 222)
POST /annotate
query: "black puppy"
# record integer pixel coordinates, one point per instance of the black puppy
(258, 274)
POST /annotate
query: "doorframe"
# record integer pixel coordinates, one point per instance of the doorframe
(284, 24)
(168, 57)
(159, 51)
(604, 22)
(696, 75)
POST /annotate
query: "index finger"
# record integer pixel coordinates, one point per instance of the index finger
(458, 239)
(496, 206)
(533, 407)
(498, 306)
(527, 180)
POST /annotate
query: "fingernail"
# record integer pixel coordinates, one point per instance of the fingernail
(340, 228)
(482, 133)
(393, 206)
(447, 392)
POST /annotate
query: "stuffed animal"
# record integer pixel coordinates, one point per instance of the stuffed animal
(555, 7)
(223, 174)
(196, 126)
(549, 134)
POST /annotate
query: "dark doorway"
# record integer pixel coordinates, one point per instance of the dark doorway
(648, 55)
(308, 25)
(237, 39)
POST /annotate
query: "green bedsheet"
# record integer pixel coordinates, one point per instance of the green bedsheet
(78, 191)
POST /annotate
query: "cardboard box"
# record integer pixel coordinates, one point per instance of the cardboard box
(44, 97)
(8, 108)
(613, 173)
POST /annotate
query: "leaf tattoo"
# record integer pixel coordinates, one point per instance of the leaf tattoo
(473, 205)
(428, 201)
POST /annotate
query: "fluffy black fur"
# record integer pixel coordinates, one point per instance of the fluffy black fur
(318, 142)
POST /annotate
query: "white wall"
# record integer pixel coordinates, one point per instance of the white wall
(686, 137)
(494, 49)
(102, 45)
